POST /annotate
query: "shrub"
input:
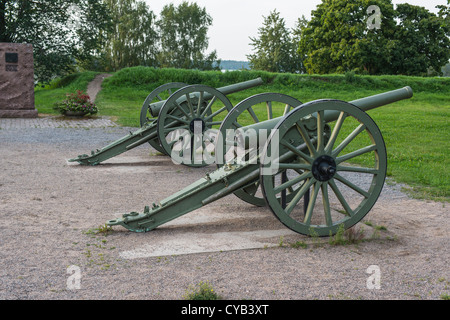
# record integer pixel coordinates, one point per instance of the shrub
(76, 102)
(203, 291)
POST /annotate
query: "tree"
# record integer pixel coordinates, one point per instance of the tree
(275, 49)
(183, 37)
(61, 32)
(133, 41)
(297, 34)
(444, 11)
(421, 41)
(337, 38)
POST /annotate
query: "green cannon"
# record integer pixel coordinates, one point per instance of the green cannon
(159, 117)
(325, 146)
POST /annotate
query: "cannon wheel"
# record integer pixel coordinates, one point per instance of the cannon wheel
(254, 109)
(157, 95)
(192, 109)
(348, 191)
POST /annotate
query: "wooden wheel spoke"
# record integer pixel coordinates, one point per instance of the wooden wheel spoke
(294, 166)
(300, 193)
(341, 198)
(170, 129)
(214, 123)
(305, 136)
(312, 203)
(286, 109)
(253, 114)
(326, 204)
(170, 116)
(356, 153)
(209, 106)
(349, 139)
(352, 185)
(269, 110)
(320, 131)
(224, 108)
(292, 182)
(191, 107)
(200, 101)
(297, 151)
(177, 105)
(336, 130)
(357, 169)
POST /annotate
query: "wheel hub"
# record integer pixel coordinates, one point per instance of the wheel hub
(324, 168)
(197, 125)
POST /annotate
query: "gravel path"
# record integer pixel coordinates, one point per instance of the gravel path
(51, 211)
(95, 85)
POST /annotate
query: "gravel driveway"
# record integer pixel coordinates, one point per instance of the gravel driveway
(51, 248)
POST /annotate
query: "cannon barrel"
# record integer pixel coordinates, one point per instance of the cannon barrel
(365, 104)
(375, 101)
(156, 107)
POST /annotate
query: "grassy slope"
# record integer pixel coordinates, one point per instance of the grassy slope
(46, 96)
(415, 130)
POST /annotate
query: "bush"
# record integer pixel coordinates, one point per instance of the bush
(78, 102)
(203, 291)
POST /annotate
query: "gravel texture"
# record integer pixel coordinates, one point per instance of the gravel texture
(50, 212)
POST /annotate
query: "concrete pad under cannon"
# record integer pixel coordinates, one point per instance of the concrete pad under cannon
(188, 243)
(203, 231)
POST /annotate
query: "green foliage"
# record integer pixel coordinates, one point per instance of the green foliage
(299, 244)
(345, 237)
(61, 32)
(76, 102)
(275, 49)
(133, 40)
(183, 31)
(421, 41)
(337, 39)
(150, 78)
(202, 291)
(46, 96)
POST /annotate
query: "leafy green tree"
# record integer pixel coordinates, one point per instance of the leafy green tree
(444, 11)
(421, 41)
(183, 37)
(133, 41)
(297, 33)
(337, 38)
(61, 32)
(275, 48)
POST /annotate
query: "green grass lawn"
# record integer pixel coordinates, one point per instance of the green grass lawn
(416, 131)
(46, 96)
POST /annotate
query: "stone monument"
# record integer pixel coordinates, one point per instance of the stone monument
(17, 81)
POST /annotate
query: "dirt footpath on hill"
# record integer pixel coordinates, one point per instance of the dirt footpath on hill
(51, 248)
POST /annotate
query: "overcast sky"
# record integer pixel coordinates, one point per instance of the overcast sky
(234, 21)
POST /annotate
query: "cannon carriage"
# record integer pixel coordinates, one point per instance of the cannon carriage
(306, 165)
(160, 118)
